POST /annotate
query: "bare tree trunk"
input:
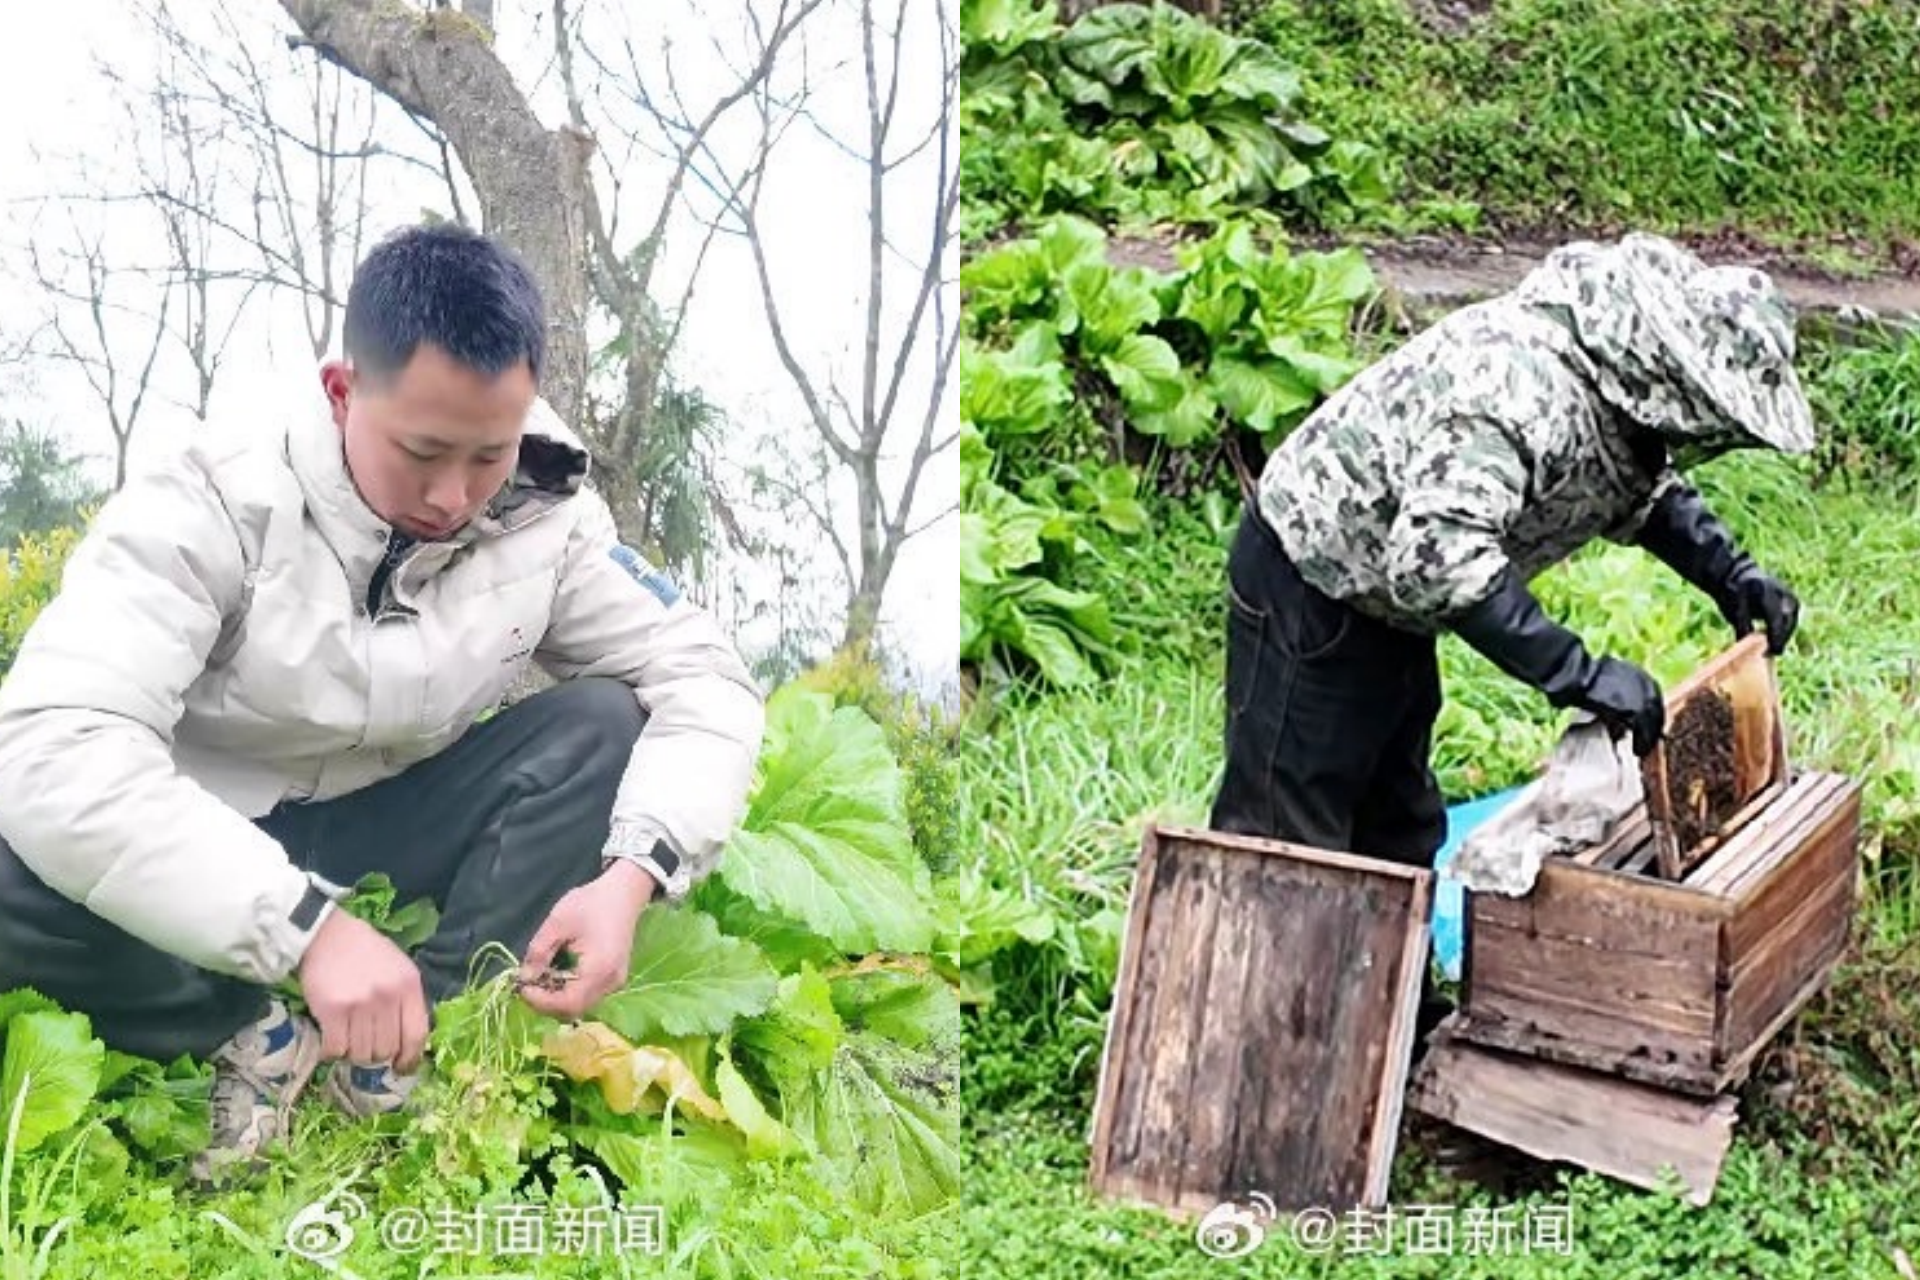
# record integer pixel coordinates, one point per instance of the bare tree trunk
(858, 436)
(536, 193)
(532, 181)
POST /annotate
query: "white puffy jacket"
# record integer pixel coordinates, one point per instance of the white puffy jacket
(210, 655)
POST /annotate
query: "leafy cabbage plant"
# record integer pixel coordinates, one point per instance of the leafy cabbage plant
(1142, 114)
(1238, 336)
(792, 1020)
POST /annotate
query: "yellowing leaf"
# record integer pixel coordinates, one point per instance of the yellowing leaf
(595, 1052)
(882, 962)
(585, 1050)
(652, 1066)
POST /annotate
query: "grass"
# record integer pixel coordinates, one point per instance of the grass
(1029, 1216)
(460, 1159)
(1060, 784)
(1777, 122)
(1870, 383)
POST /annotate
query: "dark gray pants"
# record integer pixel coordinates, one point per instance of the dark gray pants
(1329, 724)
(494, 830)
(1329, 717)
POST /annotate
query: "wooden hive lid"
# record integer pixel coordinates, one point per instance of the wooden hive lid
(1262, 1025)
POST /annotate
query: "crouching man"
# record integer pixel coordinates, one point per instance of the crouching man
(263, 678)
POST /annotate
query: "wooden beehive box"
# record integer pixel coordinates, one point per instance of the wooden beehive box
(1677, 983)
(1262, 1025)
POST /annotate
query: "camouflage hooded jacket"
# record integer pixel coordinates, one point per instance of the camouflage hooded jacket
(1505, 434)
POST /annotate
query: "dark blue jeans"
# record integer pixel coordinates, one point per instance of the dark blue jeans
(1329, 716)
(494, 830)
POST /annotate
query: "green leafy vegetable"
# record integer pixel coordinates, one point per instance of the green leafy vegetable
(1140, 115)
(886, 1116)
(825, 841)
(685, 978)
(51, 1072)
(373, 900)
(802, 1030)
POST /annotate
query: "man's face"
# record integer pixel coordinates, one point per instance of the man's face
(429, 446)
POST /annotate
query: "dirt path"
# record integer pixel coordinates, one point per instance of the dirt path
(1443, 274)
(1434, 274)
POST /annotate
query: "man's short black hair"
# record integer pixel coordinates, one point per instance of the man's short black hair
(444, 284)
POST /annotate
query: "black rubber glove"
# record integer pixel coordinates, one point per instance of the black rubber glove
(1511, 629)
(1683, 534)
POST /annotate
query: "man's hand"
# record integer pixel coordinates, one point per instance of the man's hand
(365, 993)
(594, 925)
(1754, 596)
(1682, 532)
(1628, 701)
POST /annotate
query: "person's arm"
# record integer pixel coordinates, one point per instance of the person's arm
(1464, 484)
(1683, 533)
(89, 796)
(686, 787)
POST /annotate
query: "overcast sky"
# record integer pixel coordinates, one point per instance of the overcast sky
(57, 107)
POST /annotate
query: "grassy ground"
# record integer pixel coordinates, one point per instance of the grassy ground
(1060, 784)
(1783, 123)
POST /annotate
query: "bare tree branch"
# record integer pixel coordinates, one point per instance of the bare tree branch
(453, 183)
(606, 271)
(308, 182)
(891, 356)
(950, 509)
(696, 134)
(815, 502)
(99, 356)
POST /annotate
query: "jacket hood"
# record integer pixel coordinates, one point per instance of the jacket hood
(1701, 355)
(562, 450)
(553, 464)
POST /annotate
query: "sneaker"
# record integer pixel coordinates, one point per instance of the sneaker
(257, 1077)
(363, 1092)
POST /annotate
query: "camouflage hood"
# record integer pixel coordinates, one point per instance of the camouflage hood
(1702, 355)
